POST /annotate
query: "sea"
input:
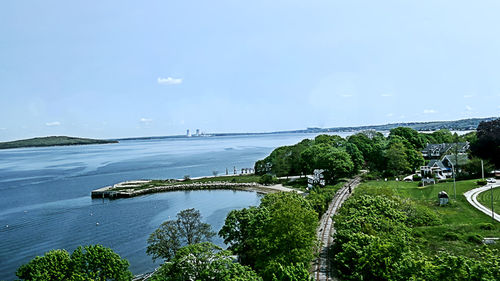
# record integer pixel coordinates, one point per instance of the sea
(45, 198)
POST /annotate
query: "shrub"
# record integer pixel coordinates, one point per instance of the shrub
(481, 182)
(266, 179)
(419, 215)
(486, 226)
(451, 236)
(371, 176)
(475, 238)
(417, 178)
(187, 178)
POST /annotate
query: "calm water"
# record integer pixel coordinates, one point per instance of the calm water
(45, 193)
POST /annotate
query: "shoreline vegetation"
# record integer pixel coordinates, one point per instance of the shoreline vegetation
(52, 141)
(128, 189)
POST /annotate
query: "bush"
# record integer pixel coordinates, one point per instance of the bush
(486, 226)
(187, 178)
(266, 179)
(419, 215)
(481, 182)
(371, 176)
(417, 178)
(451, 236)
(475, 238)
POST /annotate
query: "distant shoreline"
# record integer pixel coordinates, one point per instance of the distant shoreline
(457, 125)
(52, 141)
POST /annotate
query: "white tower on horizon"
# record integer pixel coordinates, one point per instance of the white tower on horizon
(188, 134)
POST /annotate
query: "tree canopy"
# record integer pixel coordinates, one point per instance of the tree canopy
(282, 230)
(186, 229)
(94, 262)
(487, 145)
(204, 261)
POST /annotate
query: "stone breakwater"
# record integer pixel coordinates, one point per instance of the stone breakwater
(111, 192)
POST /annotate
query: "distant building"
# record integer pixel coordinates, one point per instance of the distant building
(197, 132)
(442, 169)
(188, 134)
(316, 179)
(436, 151)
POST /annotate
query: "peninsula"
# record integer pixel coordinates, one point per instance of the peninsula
(51, 141)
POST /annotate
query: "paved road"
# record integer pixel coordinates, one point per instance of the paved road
(326, 230)
(471, 196)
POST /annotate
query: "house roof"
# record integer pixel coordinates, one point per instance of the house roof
(461, 158)
(442, 148)
(437, 163)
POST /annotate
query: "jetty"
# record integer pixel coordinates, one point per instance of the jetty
(142, 187)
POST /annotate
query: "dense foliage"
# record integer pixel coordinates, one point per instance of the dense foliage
(279, 233)
(204, 261)
(487, 145)
(397, 154)
(186, 229)
(93, 262)
(375, 241)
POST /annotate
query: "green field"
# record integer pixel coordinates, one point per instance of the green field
(459, 219)
(485, 199)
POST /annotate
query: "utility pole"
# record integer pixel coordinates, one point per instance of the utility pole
(454, 185)
(482, 170)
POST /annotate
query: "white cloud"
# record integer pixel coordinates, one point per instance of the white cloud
(146, 120)
(386, 95)
(3, 129)
(468, 108)
(468, 96)
(169, 81)
(346, 95)
(389, 114)
(429, 111)
(53, 124)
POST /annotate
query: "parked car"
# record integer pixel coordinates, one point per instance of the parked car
(491, 180)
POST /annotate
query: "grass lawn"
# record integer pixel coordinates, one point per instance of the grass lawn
(485, 199)
(459, 217)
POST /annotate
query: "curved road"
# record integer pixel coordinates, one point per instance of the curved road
(471, 196)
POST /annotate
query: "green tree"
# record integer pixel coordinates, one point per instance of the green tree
(94, 262)
(397, 162)
(292, 272)
(187, 229)
(54, 265)
(336, 162)
(409, 134)
(240, 231)
(330, 140)
(281, 230)
(204, 261)
(487, 145)
(356, 156)
(442, 136)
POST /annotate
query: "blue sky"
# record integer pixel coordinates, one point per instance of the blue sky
(108, 69)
